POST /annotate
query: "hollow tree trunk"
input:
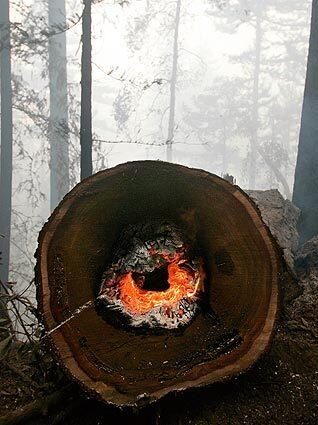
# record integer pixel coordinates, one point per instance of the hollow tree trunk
(86, 92)
(58, 131)
(173, 83)
(240, 293)
(305, 194)
(6, 145)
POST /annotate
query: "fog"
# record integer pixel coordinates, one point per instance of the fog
(239, 84)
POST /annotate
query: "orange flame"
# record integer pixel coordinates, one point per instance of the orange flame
(182, 283)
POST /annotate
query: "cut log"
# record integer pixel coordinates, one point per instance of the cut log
(243, 267)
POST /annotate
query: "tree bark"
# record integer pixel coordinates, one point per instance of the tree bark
(173, 83)
(6, 144)
(255, 100)
(58, 131)
(305, 194)
(86, 92)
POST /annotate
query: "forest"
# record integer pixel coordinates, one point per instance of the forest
(227, 87)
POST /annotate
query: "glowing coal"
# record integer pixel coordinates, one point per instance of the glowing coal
(156, 279)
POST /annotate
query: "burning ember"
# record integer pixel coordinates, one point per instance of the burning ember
(155, 281)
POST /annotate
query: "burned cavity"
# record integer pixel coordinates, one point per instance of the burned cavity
(155, 280)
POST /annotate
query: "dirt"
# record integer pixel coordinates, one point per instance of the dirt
(21, 379)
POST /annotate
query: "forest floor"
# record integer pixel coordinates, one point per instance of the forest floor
(282, 388)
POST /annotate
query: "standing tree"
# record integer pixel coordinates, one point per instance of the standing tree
(173, 83)
(271, 64)
(6, 140)
(152, 93)
(255, 96)
(216, 117)
(58, 128)
(306, 175)
(86, 92)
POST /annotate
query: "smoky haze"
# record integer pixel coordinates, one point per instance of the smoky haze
(216, 85)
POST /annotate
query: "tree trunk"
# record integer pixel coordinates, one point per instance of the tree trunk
(125, 366)
(277, 172)
(173, 83)
(305, 194)
(58, 132)
(255, 100)
(224, 150)
(6, 144)
(86, 92)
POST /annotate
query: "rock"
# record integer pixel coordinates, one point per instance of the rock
(281, 217)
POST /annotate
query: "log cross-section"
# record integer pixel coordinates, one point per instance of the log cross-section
(243, 270)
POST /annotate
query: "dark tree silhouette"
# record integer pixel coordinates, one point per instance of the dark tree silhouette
(173, 82)
(306, 175)
(255, 95)
(58, 129)
(6, 140)
(86, 92)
